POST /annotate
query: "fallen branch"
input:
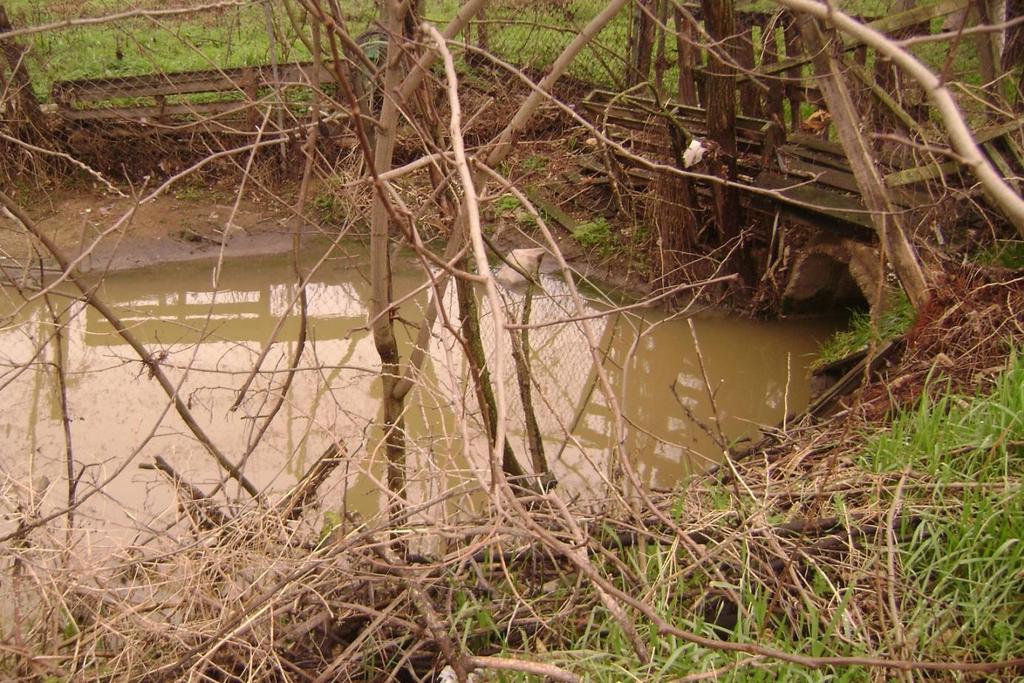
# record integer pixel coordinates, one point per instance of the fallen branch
(211, 516)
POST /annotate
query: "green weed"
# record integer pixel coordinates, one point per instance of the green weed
(1005, 253)
(189, 193)
(965, 564)
(894, 321)
(595, 234)
(533, 163)
(506, 203)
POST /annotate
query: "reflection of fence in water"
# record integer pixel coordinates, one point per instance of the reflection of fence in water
(560, 357)
(163, 308)
(159, 310)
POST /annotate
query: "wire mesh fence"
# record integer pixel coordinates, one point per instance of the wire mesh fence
(658, 47)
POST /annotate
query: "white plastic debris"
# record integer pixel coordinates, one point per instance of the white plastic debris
(694, 153)
(447, 675)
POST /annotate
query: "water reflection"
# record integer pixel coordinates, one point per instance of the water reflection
(208, 337)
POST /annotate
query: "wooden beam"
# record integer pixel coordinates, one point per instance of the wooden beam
(152, 112)
(184, 83)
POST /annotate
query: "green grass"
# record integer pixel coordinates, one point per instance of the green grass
(960, 574)
(965, 566)
(595, 234)
(230, 38)
(894, 321)
(1005, 253)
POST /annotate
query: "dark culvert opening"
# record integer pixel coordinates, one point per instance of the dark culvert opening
(821, 284)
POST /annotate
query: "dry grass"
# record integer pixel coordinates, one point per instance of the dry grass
(838, 549)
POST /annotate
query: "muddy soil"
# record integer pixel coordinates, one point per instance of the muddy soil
(106, 235)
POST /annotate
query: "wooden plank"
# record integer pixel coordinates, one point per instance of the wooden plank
(844, 180)
(866, 366)
(919, 174)
(814, 157)
(813, 199)
(827, 176)
(1014, 150)
(136, 113)
(1000, 162)
(993, 132)
(550, 209)
(596, 100)
(816, 143)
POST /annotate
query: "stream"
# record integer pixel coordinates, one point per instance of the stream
(208, 334)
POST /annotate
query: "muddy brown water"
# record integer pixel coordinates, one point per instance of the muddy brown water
(208, 326)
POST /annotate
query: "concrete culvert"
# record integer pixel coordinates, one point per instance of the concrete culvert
(833, 273)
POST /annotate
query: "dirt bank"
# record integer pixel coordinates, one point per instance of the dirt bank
(192, 225)
(108, 235)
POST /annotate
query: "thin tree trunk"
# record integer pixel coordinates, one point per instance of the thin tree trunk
(794, 84)
(524, 375)
(278, 105)
(686, 58)
(392, 420)
(642, 44)
(661, 63)
(469, 318)
(15, 55)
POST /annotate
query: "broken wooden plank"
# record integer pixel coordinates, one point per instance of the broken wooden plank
(550, 209)
(919, 174)
(816, 143)
(136, 113)
(823, 159)
(598, 99)
(832, 177)
(868, 366)
(1000, 163)
(814, 199)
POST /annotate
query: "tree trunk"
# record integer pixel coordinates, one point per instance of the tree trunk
(380, 264)
(846, 119)
(26, 99)
(524, 375)
(720, 23)
(641, 47)
(469, 318)
(686, 58)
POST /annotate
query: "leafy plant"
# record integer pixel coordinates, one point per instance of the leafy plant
(534, 163)
(595, 234)
(189, 193)
(1005, 253)
(506, 203)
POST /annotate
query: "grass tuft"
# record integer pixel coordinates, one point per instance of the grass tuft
(862, 331)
